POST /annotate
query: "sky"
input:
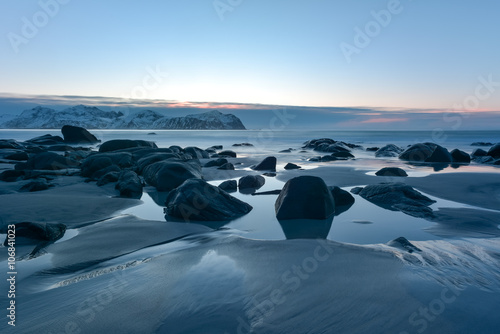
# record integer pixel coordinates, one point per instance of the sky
(392, 55)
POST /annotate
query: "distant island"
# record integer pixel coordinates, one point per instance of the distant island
(95, 118)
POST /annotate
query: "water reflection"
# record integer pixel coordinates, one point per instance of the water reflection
(306, 228)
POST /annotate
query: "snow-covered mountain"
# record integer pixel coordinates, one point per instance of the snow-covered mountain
(95, 118)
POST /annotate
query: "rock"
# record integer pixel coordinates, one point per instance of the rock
(342, 154)
(440, 155)
(341, 197)
(290, 165)
(216, 147)
(305, 197)
(481, 143)
(289, 150)
(460, 156)
(169, 174)
(229, 186)
(391, 171)
(268, 163)
(243, 144)
(152, 134)
(108, 178)
(120, 144)
(372, 149)
(48, 161)
(129, 185)
(270, 192)
(151, 158)
(78, 135)
(101, 172)
(418, 152)
(98, 161)
(227, 153)
(46, 140)
(218, 162)
(484, 160)
(479, 153)
(356, 190)
(404, 244)
(10, 144)
(36, 185)
(60, 148)
(12, 175)
(197, 200)
(196, 153)
(494, 151)
(11, 154)
(251, 181)
(39, 231)
(328, 158)
(398, 197)
(227, 166)
(270, 174)
(388, 151)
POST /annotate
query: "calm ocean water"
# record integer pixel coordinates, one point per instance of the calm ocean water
(272, 140)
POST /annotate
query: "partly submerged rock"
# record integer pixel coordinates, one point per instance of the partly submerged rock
(391, 171)
(342, 198)
(39, 231)
(78, 135)
(46, 140)
(227, 153)
(404, 244)
(216, 163)
(305, 197)
(268, 163)
(227, 166)
(48, 161)
(36, 185)
(418, 152)
(494, 151)
(460, 156)
(398, 197)
(196, 152)
(389, 150)
(251, 181)
(290, 165)
(198, 200)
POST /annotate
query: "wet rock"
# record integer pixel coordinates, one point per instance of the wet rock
(268, 164)
(227, 153)
(243, 144)
(36, 185)
(342, 198)
(388, 151)
(305, 197)
(10, 144)
(372, 149)
(478, 152)
(12, 175)
(290, 166)
(168, 174)
(129, 185)
(494, 151)
(440, 155)
(217, 162)
(108, 178)
(120, 144)
(404, 244)
(227, 166)
(151, 158)
(398, 197)
(197, 200)
(229, 186)
(251, 181)
(12, 154)
(391, 171)
(78, 135)
(39, 231)
(460, 156)
(196, 152)
(46, 140)
(418, 152)
(48, 161)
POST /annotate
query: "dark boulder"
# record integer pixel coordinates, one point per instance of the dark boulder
(169, 174)
(342, 198)
(60, 148)
(440, 155)
(218, 162)
(12, 175)
(120, 144)
(48, 161)
(290, 165)
(227, 166)
(11, 154)
(39, 231)
(227, 153)
(78, 135)
(96, 162)
(251, 182)
(305, 197)
(268, 163)
(101, 172)
(494, 151)
(388, 151)
(478, 152)
(10, 144)
(108, 178)
(198, 200)
(46, 140)
(372, 149)
(196, 153)
(398, 197)
(229, 186)
(460, 156)
(342, 154)
(36, 185)
(391, 171)
(129, 184)
(418, 152)
(216, 147)
(149, 159)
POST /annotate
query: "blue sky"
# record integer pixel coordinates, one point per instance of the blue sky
(427, 55)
